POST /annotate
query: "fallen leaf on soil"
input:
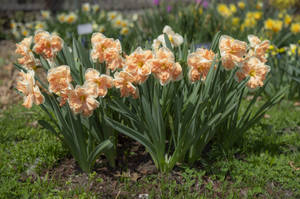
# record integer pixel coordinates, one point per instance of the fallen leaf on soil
(292, 165)
(135, 176)
(297, 104)
(147, 168)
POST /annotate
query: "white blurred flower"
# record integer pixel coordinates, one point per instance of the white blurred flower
(101, 28)
(112, 15)
(24, 32)
(156, 44)
(13, 25)
(135, 17)
(45, 14)
(16, 33)
(71, 18)
(95, 8)
(124, 31)
(61, 18)
(86, 7)
(293, 49)
(40, 25)
(175, 38)
(117, 22)
(29, 25)
(95, 26)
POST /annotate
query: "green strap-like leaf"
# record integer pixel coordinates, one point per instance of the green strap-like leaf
(131, 133)
(168, 43)
(99, 148)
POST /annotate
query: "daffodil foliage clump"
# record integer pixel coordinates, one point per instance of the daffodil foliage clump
(171, 99)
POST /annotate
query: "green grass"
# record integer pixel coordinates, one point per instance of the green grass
(258, 167)
(25, 149)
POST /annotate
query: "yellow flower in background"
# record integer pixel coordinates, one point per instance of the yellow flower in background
(232, 8)
(248, 23)
(86, 7)
(71, 18)
(241, 5)
(117, 22)
(101, 28)
(271, 47)
(277, 26)
(29, 25)
(254, 15)
(283, 4)
(273, 25)
(39, 26)
(295, 28)
(124, 31)
(269, 24)
(281, 50)
(257, 15)
(224, 10)
(124, 23)
(287, 20)
(24, 32)
(235, 21)
(61, 18)
(200, 11)
(45, 14)
(13, 25)
(259, 5)
(281, 14)
(112, 15)
(293, 49)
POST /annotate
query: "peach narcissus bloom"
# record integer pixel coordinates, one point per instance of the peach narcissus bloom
(26, 85)
(199, 63)
(137, 64)
(60, 79)
(123, 80)
(163, 66)
(46, 44)
(27, 60)
(106, 50)
(259, 48)
(101, 82)
(256, 70)
(232, 51)
(83, 99)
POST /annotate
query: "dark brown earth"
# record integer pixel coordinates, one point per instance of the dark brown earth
(8, 74)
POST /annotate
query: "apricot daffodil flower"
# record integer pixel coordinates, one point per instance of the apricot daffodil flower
(83, 100)
(60, 79)
(137, 64)
(27, 60)
(232, 51)
(124, 81)
(256, 70)
(259, 48)
(101, 82)
(164, 68)
(46, 44)
(199, 63)
(26, 85)
(106, 50)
